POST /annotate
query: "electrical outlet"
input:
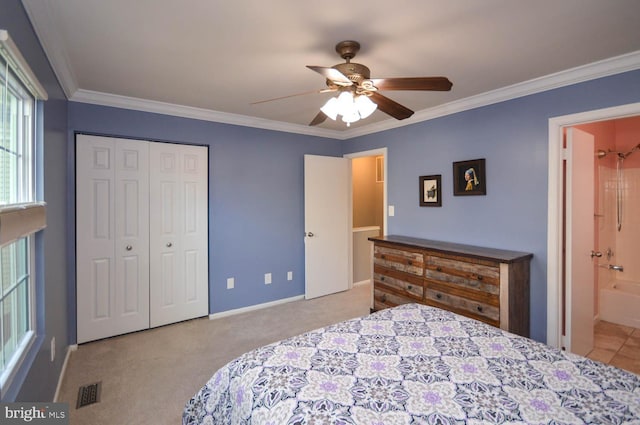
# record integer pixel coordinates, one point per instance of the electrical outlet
(53, 348)
(267, 278)
(230, 283)
(289, 275)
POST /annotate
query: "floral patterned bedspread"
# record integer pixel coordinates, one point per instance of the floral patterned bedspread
(414, 364)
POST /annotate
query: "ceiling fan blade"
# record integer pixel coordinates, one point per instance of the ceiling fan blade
(413, 83)
(390, 107)
(294, 95)
(332, 74)
(319, 119)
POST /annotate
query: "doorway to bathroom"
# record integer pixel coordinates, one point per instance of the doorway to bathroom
(613, 180)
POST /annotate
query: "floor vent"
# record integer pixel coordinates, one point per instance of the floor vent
(88, 394)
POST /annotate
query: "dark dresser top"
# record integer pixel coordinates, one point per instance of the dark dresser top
(501, 255)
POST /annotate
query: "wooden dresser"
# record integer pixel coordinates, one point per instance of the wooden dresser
(490, 285)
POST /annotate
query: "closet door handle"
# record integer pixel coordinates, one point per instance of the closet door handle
(169, 244)
(128, 248)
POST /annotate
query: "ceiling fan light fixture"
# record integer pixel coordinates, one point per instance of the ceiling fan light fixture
(365, 106)
(351, 108)
(353, 116)
(331, 108)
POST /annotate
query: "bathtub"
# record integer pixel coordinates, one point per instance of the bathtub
(620, 303)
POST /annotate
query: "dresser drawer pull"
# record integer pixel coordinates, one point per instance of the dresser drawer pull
(479, 308)
(479, 277)
(409, 262)
(381, 277)
(382, 256)
(409, 287)
(439, 296)
(384, 298)
(439, 269)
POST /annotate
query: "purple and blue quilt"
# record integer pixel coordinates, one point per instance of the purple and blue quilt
(414, 364)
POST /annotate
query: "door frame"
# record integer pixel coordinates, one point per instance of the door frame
(555, 228)
(372, 152)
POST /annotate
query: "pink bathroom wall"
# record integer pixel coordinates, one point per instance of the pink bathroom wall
(627, 137)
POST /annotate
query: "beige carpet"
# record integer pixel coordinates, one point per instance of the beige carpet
(147, 377)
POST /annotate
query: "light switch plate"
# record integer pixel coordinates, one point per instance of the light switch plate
(392, 210)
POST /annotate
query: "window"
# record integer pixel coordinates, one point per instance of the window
(20, 215)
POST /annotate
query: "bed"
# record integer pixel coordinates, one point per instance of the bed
(414, 364)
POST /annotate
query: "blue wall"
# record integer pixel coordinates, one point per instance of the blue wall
(256, 211)
(513, 137)
(38, 377)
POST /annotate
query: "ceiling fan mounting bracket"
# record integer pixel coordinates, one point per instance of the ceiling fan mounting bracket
(355, 72)
(347, 49)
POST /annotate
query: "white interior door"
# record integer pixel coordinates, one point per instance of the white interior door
(327, 225)
(112, 206)
(179, 233)
(579, 242)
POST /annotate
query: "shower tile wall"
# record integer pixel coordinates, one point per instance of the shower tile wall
(625, 243)
(628, 239)
(606, 220)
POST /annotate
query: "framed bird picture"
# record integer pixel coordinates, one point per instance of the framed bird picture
(431, 191)
(469, 178)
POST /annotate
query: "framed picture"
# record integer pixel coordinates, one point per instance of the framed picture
(469, 178)
(431, 191)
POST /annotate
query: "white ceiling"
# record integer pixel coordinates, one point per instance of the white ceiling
(211, 59)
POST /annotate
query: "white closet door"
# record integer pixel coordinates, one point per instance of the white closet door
(178, 233)
(112, 234)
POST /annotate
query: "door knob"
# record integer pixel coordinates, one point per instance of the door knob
(310, 234)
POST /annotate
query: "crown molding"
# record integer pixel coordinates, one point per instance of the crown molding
(125, 102)
(603, 68)
(607, 67)
(42, 13)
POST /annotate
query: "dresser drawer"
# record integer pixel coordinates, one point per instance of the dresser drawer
(407, 261)
(462, 305)
(383, 299)
(398, 282)
(473, 276)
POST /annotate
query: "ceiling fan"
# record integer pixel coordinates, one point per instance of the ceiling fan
(359, 93)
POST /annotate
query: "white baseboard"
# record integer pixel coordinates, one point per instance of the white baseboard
(254, 307)
(70, 348)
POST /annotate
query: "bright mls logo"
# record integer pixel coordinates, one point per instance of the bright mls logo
(34, 413)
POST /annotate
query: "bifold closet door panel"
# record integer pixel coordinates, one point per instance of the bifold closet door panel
(112, 236)
(178, 233)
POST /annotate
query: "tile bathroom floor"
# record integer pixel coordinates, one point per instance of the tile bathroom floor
(617, 345)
